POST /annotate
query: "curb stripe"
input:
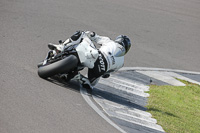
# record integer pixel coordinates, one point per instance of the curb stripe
(85, 95)
(157, 69)
(131, 115)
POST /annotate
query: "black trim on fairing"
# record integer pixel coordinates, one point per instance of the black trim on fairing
(81, 40)
(76, 35)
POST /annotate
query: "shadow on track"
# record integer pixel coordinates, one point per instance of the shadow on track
(117, 99)
(72, 85)
(164, 113)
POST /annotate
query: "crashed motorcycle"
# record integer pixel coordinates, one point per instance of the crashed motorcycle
(72, 59)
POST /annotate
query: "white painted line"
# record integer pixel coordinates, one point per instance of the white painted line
(121, 83)
(87, 99)
(114, 108)
(136, 114)
(157, 69)
(113, 105)
(142, 123)
(139, 121)
(140, 118)
(162, 77)
(140, 112)
(145, 88)
(126, 88)
(172, 74)
(119, 106)
(109, 82)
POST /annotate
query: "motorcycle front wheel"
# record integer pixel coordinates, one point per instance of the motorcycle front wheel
(62, 66)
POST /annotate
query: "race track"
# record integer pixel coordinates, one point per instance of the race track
(165, 34)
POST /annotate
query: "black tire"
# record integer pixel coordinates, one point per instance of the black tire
(62, 66)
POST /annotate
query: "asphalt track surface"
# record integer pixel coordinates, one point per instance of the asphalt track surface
(165, 34)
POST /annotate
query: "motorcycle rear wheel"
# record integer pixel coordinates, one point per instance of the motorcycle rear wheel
(62, 66)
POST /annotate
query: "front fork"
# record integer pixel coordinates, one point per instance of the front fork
(49, 55)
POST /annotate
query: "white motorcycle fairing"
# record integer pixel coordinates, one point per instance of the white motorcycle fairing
(70, 58)
(87, 52)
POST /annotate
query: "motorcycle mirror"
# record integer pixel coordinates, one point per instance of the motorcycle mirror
(60, 41)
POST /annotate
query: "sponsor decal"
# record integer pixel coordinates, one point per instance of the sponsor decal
(102, 64)
(113, 59)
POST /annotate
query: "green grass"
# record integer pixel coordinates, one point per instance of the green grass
(176, 108)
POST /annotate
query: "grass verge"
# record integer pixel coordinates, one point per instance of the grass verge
(176, 108)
